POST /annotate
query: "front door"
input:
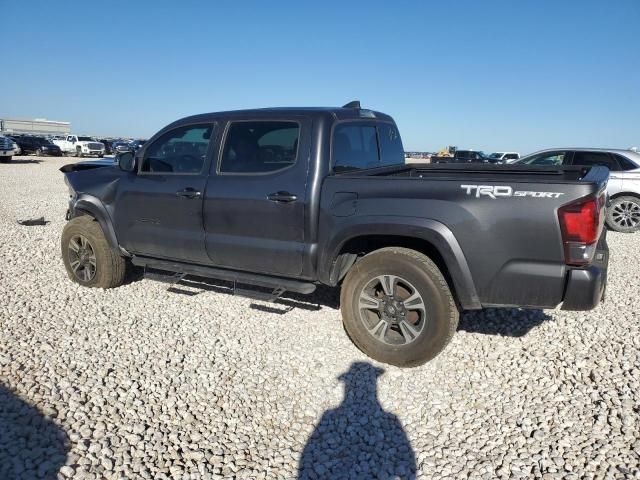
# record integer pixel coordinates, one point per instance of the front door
(255, 200)
(159, 211)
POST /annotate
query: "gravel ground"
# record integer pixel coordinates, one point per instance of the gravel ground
(141, 382)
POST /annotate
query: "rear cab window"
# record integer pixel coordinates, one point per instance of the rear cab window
(362, 145)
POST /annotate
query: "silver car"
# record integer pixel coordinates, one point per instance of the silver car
(623, 214)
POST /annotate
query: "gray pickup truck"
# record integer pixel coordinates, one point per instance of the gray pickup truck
(285, 199)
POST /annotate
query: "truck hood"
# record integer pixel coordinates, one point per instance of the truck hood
(88, 165)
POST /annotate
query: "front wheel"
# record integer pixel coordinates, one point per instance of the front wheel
(88, 257)
(397, 307)
(624, 214)
(79, 153)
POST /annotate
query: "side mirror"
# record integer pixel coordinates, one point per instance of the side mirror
(126, 161)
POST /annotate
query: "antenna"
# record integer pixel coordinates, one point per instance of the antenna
(353, 104)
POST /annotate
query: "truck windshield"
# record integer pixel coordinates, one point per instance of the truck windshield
(496, 155)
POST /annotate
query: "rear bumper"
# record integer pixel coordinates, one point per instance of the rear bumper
(586, 286)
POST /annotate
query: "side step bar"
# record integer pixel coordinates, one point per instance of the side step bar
(256, 279)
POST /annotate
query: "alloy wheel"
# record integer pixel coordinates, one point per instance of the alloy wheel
(626, 214)
(82, 258)
(392, 310)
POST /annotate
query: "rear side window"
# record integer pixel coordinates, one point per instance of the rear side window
(354, 147)
(357, 146)
(391, 150)
(625, 163)
(511, 156)
(260, 147)
(595, 158)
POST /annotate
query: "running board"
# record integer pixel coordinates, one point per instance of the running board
(278, 284)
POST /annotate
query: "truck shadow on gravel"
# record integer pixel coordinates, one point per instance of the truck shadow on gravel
(505, 322)
(24, 160)
(31, 445)
(358, 439)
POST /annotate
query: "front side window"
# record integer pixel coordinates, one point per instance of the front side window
(547, 158)
(260, 147)
(179, 151)
(354, 147)
(594, 158)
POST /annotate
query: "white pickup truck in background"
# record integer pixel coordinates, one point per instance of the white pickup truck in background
(80, 146)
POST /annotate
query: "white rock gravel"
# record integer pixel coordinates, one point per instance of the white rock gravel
(139, 382)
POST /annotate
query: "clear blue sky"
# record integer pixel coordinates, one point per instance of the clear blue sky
(492, 75)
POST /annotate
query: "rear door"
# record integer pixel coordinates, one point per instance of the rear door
(254, 212)
(159, 209)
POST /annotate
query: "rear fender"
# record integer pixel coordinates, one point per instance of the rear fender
(431, 231)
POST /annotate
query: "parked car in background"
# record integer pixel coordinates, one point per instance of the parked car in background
(81, 146)
(119, 147)
(504, 157)
(6, 149)
(16, 148)
(623, 214)
(37, 145)
(136, 144)
(465, 156)
(108, 150)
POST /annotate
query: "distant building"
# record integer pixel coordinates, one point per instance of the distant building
(38, 126)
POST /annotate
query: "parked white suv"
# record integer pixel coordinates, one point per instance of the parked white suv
(505, 157)
(623, 214)
(80, 146)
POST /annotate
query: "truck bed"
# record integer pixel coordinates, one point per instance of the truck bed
(504, 218)
(501, 173)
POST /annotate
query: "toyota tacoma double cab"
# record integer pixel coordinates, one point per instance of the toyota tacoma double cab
(285, 199)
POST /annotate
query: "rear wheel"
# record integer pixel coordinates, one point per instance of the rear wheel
(397, 307)
(88, 257)
(624, 214)
(5, 159)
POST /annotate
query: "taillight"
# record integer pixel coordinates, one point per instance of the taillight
(581, 224)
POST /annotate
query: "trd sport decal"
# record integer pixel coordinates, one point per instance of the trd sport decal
(495, 191)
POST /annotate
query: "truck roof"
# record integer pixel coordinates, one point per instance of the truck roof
(339, 113)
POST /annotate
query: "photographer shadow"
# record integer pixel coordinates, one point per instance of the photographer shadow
(358, 439)
(31, 445)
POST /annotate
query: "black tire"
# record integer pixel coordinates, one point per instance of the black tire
(110, 267)
(623, 215)
(100, 155)
(440, 312)
(5, 159)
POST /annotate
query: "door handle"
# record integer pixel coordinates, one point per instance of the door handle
(282, 197)
(188, 193)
